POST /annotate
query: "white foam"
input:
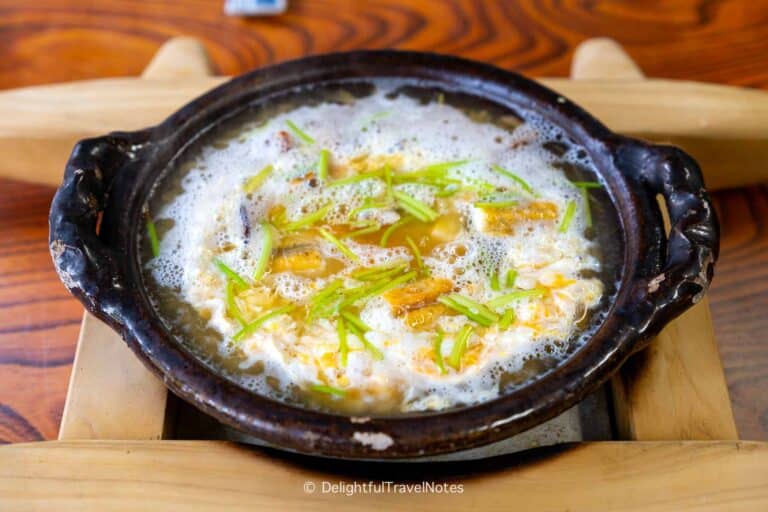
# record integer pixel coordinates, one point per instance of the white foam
(207, 219)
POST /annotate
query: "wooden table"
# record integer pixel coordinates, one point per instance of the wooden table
(55, 41)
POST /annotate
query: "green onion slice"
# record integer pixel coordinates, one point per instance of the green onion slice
(341, 330)
(502, 301)
(392, 228)
(308, 220)
(506, 319)
(587, 184)
(495, 286)
(471, 309)
(267, 242)
(321, 303)
(322, 165)
(416, 255)
(433, 170)
(299, 132)
(369, 204)
(514, 177)
(154, 242)
(511, 278)
(370, 347)
(232, 309)
(459, 347)
(252, 327)
(495, 204)
(388, 180)
(231, 274)
(328, 291)
(437, 347)
(415, 207)
(570, 210)
(328, 390)
(371, 228)
(357, 178)
(377, 288)
(380, 272)
(345, 250)
(448, 190)
(355, 321)
(253, 183)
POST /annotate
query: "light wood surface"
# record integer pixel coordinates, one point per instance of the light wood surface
(725, 128)
(111, 394)
(675, 389)
(175, 475)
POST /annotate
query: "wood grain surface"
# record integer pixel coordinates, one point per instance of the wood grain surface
(108, 476)
(52, 41)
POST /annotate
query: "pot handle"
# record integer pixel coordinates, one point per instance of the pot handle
(85, 264)
(692, 245)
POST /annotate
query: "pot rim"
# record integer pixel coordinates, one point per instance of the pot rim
(660, 278)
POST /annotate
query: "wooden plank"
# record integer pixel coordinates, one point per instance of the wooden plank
(200, 475)
(111, 394)
(725, 128)
(676, 388)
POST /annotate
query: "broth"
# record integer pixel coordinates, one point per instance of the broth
(381, 248)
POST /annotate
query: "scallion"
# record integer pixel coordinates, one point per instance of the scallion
(480, 313)
(341, 330)
(587, 184)
(514, 177)
(299, 132)
(438, 169)
(494, 204)
(231, 274)
(377, 288)
(495, 286)
(154, 241)
(570, 210)
(459, 347)
(328, 390)
(357, 178)
(355, 321)
(232, 309)
(392, 228)
(502, 301)
(415, 207)
(506, 319)
(370, 347)
(251, 327)
(369, 204)
(253, 183)
(511, 278)
(416, 255)
(341, 246)
(322, 165)
(380, 272)
(267, 241)
(369, 229)
(308, 220)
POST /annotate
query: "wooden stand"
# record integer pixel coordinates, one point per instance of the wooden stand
(679, 447)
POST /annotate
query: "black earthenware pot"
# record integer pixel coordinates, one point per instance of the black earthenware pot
(97, 212)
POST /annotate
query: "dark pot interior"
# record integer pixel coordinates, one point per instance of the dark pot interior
(97, 212)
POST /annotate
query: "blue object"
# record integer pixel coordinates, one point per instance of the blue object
(255, 7)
